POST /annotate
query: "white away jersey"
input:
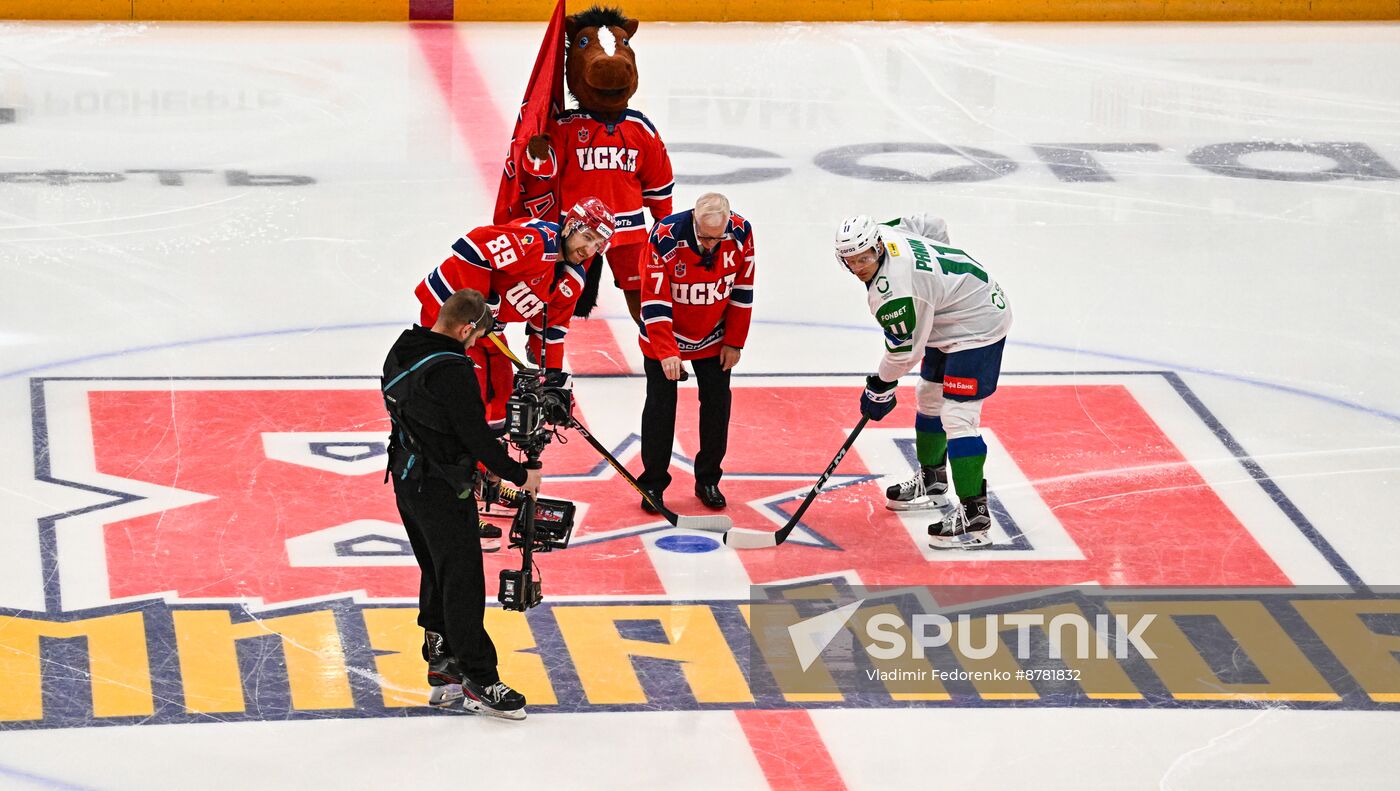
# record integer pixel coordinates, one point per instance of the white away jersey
(928, 293)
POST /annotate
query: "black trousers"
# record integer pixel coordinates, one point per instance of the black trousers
(659, 424)
(446, 540)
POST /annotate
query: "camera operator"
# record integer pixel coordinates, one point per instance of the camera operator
(439, 435)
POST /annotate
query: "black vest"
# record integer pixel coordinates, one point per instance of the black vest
(410, 410)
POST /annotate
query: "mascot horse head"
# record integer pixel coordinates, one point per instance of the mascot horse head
(600, 68)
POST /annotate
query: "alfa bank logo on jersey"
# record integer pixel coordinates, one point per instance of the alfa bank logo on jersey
(607, 158)
(959, 386)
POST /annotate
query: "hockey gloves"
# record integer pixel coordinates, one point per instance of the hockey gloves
(878, 398)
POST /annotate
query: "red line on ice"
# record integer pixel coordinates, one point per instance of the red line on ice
(789, 750)
(463, 88)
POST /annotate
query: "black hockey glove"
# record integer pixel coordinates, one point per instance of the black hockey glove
(878, 398)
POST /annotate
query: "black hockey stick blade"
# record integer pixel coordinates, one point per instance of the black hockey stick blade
(744, 538)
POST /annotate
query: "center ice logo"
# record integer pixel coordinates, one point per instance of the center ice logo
(272, 490)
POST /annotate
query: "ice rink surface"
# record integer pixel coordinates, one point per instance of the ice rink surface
(210, 234)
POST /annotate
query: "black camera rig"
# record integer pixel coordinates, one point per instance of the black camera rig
(541, 525)
(541, 403)
(540, 406)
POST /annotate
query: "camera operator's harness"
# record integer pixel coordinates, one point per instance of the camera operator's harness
(416, 465)
(541, 525)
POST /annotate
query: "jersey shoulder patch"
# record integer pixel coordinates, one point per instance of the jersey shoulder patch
(668, 231)
(637, 116)
(548, 233)
(740, 229)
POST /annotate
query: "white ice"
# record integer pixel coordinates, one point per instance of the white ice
(1273, 299)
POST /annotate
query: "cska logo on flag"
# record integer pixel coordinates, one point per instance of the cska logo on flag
(220, 489)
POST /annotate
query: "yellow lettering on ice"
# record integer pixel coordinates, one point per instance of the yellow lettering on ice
(213, 682)
(1369, 656)
(117, 661)
(1288, 673)
(603, 657)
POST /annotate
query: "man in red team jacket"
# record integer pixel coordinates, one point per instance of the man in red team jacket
(697, 294)
(514, 266)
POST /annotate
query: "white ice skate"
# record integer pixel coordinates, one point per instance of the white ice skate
(966, 527)
(927, 489)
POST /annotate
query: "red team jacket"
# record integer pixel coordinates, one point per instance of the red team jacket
(690, 310)
(513, 266)
(622, 163)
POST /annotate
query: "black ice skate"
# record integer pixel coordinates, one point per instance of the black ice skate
(490, 536)
(494, 700)
(444, 674)
(927, 489)
(966, 527)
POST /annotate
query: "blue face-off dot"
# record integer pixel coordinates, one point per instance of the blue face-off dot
(689, 545)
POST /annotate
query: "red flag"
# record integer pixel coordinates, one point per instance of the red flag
(529, 188)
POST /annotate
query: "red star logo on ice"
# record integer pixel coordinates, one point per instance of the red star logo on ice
(202, 461)
(664, 231)
(610, 509)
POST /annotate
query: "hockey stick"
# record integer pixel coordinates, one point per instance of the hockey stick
(744, 538)
(711, 523)
(496, 339)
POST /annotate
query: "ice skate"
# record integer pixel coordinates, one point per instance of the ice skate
(966, 527)
(490, 536)
(444, 674)
(927, 489)
(493, 700)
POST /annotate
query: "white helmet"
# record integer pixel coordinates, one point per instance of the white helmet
(856, 235)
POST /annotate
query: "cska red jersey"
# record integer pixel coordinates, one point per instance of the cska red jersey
(692, 303)
(623, 163)
(513, 266)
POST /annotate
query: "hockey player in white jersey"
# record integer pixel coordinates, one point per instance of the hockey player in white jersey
(939, 306)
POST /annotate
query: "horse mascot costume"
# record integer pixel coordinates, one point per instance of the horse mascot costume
(606, 149)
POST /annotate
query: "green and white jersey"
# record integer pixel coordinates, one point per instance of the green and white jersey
(929, 293)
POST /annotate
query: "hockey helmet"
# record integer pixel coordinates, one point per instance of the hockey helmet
(590, 213)
(855, 235)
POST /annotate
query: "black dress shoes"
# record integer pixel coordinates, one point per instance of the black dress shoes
(647, 506)
(711, 496)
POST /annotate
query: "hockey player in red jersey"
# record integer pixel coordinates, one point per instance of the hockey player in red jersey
(697, 295)
(514, 265)
(606, 148)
